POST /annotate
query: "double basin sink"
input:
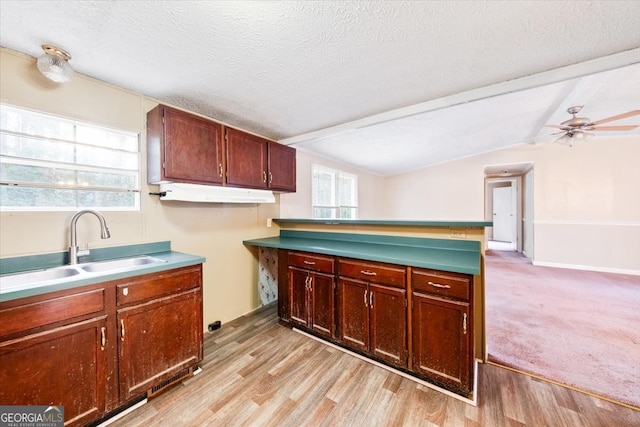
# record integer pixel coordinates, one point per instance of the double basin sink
(32, 279)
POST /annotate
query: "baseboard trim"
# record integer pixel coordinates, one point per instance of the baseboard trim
(587, 268)
(473, 401)
(123, 413)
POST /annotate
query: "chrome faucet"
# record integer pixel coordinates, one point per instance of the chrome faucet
(74, 252)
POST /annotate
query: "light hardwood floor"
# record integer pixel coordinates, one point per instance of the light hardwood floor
(259, 373)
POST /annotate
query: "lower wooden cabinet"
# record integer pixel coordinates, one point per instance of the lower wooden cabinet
(311, 293)
(95, 348)
(417, 320)
(66, 366)
(157, 340)
(372, 319)
(443, 328)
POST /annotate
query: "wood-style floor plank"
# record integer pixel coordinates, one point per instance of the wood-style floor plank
(258, 373)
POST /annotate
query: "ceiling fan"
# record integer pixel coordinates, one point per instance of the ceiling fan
(577, 127)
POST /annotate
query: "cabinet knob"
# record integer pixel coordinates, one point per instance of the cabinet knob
(125, 291)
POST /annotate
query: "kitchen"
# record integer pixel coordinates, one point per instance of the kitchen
(215, 232)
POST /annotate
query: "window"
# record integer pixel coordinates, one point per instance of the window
(335, 193)
(51, 163)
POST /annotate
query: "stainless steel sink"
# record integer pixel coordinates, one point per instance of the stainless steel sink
(119, 264)
(19, 281)
(34, 279)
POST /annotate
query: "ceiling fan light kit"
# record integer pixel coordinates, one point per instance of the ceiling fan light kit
(54, 64)
(576, 127)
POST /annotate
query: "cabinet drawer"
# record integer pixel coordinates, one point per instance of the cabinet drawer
(160, 284)
(47, 312)
(320, 263)
(441, 283)
(387, 274)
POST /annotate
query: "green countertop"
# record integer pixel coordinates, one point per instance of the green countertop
(461, 256)
(411, 223)
(161, 250)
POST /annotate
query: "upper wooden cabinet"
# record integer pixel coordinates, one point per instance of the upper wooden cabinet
(182, 147)
(256, 162)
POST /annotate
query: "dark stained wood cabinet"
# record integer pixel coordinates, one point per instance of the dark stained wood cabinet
(443, 328)
(414, 319)
(183, 147)
(311, 292)
(372, 313)
(66, 365)
(255, 162)
(93, 349)
(159, 329)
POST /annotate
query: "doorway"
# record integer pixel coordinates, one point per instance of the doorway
(509, 205)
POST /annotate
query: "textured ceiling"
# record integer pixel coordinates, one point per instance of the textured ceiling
(286, 68)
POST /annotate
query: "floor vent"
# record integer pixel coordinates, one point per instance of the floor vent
(157, 389)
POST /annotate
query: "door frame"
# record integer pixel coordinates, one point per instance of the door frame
(515, 182)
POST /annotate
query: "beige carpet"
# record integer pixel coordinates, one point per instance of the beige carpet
(575, 327)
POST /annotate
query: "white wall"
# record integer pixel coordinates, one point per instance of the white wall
(211, 230)
(586, 199)
(298, 204)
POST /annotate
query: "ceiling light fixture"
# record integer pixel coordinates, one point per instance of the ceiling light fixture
(54, 64)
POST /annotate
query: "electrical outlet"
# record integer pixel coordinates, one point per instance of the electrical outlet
(459, 234)
(269, 221)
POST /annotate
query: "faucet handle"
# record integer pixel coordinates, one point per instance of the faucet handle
(84, 252)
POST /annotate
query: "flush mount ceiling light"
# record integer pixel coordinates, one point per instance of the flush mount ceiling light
(54, 64)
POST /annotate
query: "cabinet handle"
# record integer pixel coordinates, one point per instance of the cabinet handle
(464, 323)
(103, 338)
(220, 170)
(370, 299)
(368, 273)
(264, 176)
(365, 299)
(122, 329)
(310, 263)
(438, 285)
(310, 283)
(270, 178)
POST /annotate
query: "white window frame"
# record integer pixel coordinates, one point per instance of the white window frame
(335, 207)
(78, 167)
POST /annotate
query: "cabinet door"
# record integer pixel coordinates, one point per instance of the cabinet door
(193, 148)
(353, 313)
(63, 366)
(246, 160)
(388, 324)
(298, 283)
(282, 167)
(441, 341)
(158, 340)
(322, 297)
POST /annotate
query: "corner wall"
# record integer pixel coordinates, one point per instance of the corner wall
(586, 199)
(215, 231)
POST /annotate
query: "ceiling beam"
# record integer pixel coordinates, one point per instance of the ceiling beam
(592, 66)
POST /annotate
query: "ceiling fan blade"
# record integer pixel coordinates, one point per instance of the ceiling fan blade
(621, 127)
(558, 127)
(618, 117)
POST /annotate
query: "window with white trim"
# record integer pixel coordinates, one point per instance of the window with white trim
(334, 193)
(48, 163)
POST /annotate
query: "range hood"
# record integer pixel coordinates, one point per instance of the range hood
(213, 194)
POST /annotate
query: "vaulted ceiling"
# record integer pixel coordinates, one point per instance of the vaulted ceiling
(341, 79)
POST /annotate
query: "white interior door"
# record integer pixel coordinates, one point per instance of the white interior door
(502, 214)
